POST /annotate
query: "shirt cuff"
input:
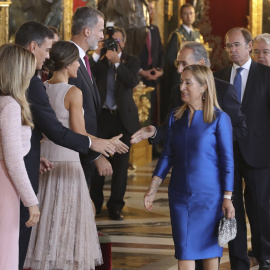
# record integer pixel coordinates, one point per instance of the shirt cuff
(96, 158)
(117, 65)
(154, 134)
(95, 56)
(90, 142)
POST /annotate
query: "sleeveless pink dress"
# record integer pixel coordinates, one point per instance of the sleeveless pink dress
(66, 236)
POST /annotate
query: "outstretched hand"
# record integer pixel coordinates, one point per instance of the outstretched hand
(105, 147)
(120, 147)
(143, 133)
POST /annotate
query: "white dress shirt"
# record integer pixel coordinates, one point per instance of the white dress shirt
(244, 75)
(188, 29)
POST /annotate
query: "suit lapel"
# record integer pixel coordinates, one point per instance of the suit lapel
(92, 85)
(227, 74)
(252, 83)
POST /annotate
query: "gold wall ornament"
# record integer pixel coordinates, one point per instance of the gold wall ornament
(255, 17)
(4, 17)
(67, 18)
(169, 6)
(143, 104)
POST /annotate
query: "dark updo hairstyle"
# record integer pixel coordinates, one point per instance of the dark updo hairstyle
(62, 54)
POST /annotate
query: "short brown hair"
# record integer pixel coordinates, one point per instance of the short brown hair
(246, 34)
(185, 6)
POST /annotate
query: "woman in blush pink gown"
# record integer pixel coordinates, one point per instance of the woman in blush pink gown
(16, 69)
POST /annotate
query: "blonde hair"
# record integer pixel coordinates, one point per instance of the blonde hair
(203, 76)
(16, 70)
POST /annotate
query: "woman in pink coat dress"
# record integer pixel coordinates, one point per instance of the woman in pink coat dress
(16, 69)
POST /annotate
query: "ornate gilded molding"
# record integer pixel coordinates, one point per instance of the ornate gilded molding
(4, 16)
(141, 101)
(67, 16)
(255, 17)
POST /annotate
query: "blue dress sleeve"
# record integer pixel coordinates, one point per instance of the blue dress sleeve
(166, 159)
(225, 148)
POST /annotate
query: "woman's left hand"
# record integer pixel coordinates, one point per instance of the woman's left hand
(228, 209)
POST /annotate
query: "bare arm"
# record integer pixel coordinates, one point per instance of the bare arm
(73, 103)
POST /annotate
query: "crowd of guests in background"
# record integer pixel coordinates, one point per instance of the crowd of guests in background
(82, 115)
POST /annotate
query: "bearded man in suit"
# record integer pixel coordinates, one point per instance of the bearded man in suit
(87, 31)
(252, 153)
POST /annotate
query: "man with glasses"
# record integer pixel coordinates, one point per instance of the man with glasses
(261, 49)
(116, 75)
(191, 53)
(252, 153)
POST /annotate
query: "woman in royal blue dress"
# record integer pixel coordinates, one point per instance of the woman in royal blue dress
(199, 148)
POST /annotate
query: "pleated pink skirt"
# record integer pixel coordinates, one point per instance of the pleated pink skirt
(9, 221)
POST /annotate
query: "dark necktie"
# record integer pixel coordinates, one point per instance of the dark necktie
(237, 82)
(148, 45)
(86, 60)
(110, 99)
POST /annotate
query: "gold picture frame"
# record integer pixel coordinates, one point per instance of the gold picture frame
(4, 17)
(67, 18)
(255, 17)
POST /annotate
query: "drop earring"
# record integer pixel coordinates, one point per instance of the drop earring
(203, 96)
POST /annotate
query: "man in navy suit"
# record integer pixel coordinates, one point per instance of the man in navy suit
(252, 153)
(37, 38)
(190, 53)
(87, 31)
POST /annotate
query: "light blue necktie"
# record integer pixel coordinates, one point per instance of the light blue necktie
(237, 82)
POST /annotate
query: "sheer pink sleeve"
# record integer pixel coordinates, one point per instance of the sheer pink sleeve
(12, 147)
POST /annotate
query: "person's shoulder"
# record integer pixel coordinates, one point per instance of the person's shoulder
(196, 30)
(220, 84)
(220, 71)
(35, 80)
(129, 57)
(35, 84)
(220, 115)
(8, 102)
(262, 67)
(74, 92)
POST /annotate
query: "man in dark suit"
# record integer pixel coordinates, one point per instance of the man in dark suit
(37, 38)
(116, 75)
(152, 60)
(87, 31)
(195, 53)
(252, 153)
